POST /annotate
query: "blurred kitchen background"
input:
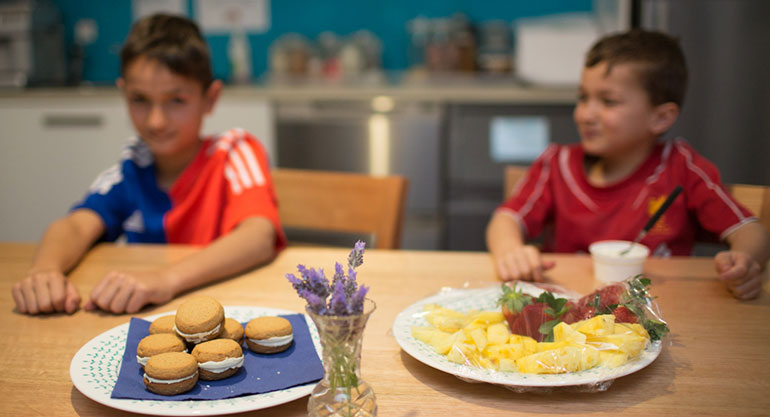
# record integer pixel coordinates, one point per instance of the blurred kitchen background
(444, 92)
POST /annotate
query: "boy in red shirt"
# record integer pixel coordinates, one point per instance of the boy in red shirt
(608, 186)
(172, 186)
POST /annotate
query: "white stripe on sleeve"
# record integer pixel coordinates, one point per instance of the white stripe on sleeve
(251, 162)
(232, 179)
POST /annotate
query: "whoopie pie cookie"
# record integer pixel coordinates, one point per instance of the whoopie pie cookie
(269, 334)
(163, 324)
(171, 373)
(156, 344)
(233, 330)
(199, 319)
(218, 359)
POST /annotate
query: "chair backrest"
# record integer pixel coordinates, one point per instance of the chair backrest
(513, 174)
(755, 197)
(342, 202)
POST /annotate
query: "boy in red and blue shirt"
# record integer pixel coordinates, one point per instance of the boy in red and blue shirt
(610, 184)
(171, 186)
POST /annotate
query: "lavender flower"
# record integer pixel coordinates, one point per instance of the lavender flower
(346, 296)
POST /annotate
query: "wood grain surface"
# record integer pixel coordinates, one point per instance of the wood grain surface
(715, 361)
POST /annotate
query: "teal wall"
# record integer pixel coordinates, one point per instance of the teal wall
(386, 19)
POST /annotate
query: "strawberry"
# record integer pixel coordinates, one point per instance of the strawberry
(529, 321)
(512, 301)
(624, 315)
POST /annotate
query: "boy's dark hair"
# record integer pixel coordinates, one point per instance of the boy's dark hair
(174, 41)
(659, 59)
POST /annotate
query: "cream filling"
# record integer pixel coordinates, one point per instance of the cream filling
(143, 359)
(170, 381)
(198, 337)
(274, 341)
(221, 366)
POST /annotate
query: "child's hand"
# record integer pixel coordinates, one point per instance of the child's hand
(522, 263)
(123, 292)
(740, 272)
(45, 292)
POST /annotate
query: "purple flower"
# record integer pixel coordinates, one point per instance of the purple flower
(356, 257)
(346, 296)
(338, 305)
(357, 300)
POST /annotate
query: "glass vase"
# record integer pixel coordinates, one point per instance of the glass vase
(342, 392)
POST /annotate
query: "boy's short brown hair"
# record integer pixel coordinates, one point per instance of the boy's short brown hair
(174, 41)
(661, 65)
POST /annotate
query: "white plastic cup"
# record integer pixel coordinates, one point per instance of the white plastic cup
(610, 266)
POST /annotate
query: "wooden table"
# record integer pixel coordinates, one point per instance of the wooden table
(715, 361)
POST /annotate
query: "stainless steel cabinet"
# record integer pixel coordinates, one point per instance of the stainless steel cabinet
(350, 135)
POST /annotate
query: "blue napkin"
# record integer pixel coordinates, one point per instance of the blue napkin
(298, 365)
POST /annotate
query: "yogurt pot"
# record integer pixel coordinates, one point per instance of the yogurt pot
(610, 266)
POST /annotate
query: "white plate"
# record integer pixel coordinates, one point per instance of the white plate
(485, 299)
(94, 371)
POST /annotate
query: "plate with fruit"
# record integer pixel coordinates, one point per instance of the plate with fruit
(520, 335)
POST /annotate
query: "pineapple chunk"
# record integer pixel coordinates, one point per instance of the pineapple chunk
(596, 326)
(543, 346)
(506, 351)
(558, 361)
(498, 334)
(463, 353)
(440, 341)
(487, 317)
(446, 323)
(530, 344)
(562, 332)
(631, 344)
(612, 358)
(479, 337)
(631, 327)
(507, 365)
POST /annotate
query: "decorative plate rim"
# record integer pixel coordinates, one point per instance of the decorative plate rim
(484, 298)
(112, 342)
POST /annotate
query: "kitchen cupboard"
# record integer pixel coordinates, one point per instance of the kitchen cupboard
(53, 145)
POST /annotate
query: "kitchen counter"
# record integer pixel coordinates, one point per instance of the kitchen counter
(456, 91)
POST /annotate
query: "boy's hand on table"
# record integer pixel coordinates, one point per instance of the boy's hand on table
(523, 263)
(127, 292)
(740, 272)
(45, 292)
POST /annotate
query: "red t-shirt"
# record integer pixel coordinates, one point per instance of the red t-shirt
(228, 181)
(555, 197)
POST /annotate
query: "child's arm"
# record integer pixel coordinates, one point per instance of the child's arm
(45, 289)
(740, 267)
(249, 244)
(513, 259)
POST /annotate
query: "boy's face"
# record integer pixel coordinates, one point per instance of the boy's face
(613, 114)
(166, 109)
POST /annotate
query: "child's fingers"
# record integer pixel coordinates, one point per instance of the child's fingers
(73, 299)
(723, 261)
(30, 301)
(107, 292)
(56, 285)
(136, 302)
(18, 297)
(42, 293)
(120, 300)
(748, 289)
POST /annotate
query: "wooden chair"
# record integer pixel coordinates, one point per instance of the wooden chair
(341, 202)
(755, 197)
(512, 175)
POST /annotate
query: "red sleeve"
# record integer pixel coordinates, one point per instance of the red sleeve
(531, 202)
(714, 207)
(251, 192)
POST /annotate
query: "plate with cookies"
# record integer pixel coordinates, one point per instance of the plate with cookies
(202, 359)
